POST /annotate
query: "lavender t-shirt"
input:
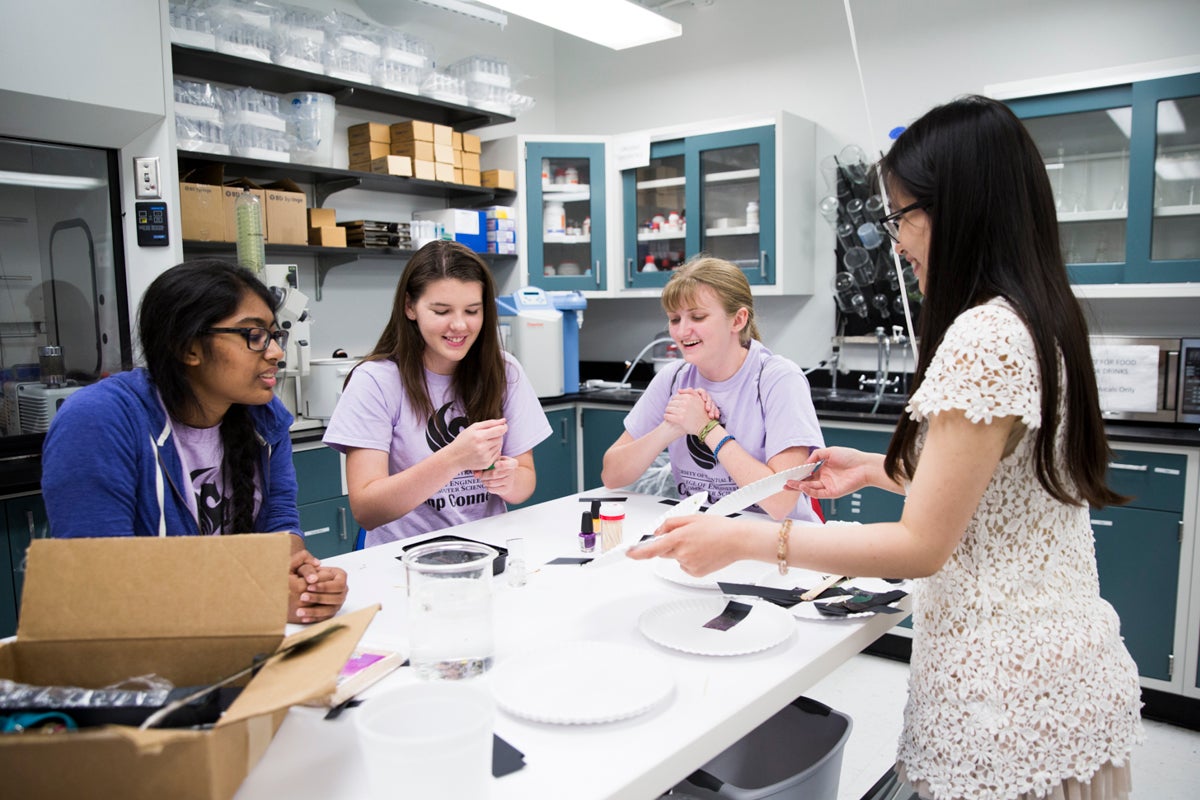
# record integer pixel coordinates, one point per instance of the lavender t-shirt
(201, 453)
(765, 406)
(375, 413)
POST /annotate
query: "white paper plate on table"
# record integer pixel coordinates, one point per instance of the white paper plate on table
(805, 578)
(679, 625)
(737, 572)
(547, 685)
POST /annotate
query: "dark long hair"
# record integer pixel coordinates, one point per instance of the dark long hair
(479, 380)
(175, 310)
(994, 233)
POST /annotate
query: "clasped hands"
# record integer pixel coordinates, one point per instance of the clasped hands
(689, 410)
(315, 592)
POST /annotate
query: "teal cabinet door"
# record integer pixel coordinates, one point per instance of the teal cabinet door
(554, 459)
(1137, 553)
(865, 505)
(26, 521)
(601, 427)
(565, 222)
(318, 474)
(329, 528)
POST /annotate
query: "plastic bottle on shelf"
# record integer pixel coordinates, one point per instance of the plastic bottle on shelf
(650, 265)
(251, 253)
(752, 214)
(554, 219)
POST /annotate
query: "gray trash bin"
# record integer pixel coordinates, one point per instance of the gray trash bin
(794, 755)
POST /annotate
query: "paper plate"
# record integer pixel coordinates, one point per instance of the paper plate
(737, 572)
(806, 577)
(679, 625)
(560, 685)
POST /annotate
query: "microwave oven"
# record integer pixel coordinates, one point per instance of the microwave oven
(1148, 379)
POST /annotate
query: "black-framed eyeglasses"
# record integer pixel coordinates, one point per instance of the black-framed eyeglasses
(257, 339)
(891, 223)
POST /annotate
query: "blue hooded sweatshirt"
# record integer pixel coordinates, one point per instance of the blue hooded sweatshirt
(110, 467)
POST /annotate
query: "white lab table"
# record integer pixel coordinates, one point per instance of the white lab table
(715, 702)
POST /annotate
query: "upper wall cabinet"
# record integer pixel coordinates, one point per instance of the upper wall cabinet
(565, 214)
(726, 192)
(1124, 165)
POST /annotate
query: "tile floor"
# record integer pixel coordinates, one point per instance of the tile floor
(871, 691)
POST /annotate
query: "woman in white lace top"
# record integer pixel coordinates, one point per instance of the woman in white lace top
(1020, 684)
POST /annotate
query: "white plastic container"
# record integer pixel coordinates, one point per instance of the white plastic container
(554, 219)
(310, 122)
(322, 386)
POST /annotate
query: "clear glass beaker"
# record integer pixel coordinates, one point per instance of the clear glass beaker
(450, 609)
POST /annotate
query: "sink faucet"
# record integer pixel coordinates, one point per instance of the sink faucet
(881, 381)
(625, 380)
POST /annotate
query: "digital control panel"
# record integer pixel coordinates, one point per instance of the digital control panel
(151, 221)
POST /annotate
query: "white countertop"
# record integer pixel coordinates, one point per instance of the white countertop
(715, 702)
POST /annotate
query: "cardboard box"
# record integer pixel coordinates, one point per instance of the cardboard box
(500, 212)
(471, 177)
(456, 140)
(412, 129)
(368, 151)
(458, 157)
(499, 223)
(327, 236)
(321, 217)
(393, 165)
(443, 134)
(444, 172)
(470, 161)
(502, 236)
(287, 213)
(369, 132)
(502, 248)
(471, 143)
(167, 616)
(462, 225)
(443, 154)
(416, 150)
(359, 166)
(499, 178)
(202, 205)
(231, 190)
(425, 170)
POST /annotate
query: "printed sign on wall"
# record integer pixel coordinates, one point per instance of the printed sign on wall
(1127, 377)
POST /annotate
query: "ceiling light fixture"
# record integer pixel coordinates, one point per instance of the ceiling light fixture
(44, 181)
(617, 24)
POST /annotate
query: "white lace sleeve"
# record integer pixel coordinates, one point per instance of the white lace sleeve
(985, 366)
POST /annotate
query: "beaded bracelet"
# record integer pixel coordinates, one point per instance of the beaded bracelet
(720, 444)
(707, 429)
(781, 553)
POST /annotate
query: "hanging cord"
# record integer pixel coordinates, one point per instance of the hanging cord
(862, 84)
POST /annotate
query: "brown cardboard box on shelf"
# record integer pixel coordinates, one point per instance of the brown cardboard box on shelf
(456, 140)
(166, 616)
(287, 213)
(393, 165)
(458, 175)
(458, 158)
(499, 178)
(327, 236)
(470, 161)
(443, 154)
(322, 217)
(471, 177)
(425, 170)
(202, 204)
(444, 172)
(368, 132)
(412, 129)
(414, 149)
(368, 151)
(443, 134)
(471, 143)
(231, 190)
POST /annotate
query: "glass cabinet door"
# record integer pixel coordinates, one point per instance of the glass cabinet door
(1087, 162)
(656, 231)
(565, 215)
(1176, 230)
(734, 205)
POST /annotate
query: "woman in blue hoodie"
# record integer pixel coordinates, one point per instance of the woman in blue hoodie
(195, 443)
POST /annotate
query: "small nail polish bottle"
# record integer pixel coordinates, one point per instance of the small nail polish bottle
(587, 537)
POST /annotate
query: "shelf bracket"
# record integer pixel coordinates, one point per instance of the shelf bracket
(324, 189)
(326, 263)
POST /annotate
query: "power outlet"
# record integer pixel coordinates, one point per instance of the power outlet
(145, 177)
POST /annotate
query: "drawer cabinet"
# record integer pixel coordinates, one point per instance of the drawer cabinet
(329, 528)
(601, 427)
(865, 505)
(555, 458)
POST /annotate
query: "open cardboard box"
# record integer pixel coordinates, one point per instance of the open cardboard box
(191, 609)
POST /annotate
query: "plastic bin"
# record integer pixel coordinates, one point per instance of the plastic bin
(794, 755)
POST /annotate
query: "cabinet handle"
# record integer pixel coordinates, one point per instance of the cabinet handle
(762, 264)
(1165, 471)
(629, 272)
(563, 424)
(1129, 467)
(32, 527)
(342, 523)
(1102, 523)
(597, 270)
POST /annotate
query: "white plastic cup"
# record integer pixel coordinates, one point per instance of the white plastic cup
(430, 740)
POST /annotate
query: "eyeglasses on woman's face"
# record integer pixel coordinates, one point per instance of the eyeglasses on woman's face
(257, 339)
(891, 223)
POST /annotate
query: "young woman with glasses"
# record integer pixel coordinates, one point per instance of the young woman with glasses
(194, 443)
(438, 423)
(1020, 685)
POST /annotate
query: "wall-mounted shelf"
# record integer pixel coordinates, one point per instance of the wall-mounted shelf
(327, 180)
(213, 66)
(329, 257)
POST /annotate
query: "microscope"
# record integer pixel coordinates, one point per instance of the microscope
(292, 312)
